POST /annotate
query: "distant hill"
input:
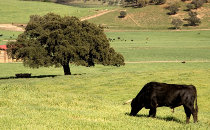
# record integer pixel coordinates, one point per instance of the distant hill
(151, 17)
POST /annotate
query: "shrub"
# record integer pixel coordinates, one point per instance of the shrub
(190, 7)
(122, 14)
(193, 20)
(177, 23)
(198, 3)
(173, 8)
(141, 3)
(184, 0)
(158, 2)
(111, 2)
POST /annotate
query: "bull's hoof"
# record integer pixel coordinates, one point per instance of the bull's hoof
(132, 114)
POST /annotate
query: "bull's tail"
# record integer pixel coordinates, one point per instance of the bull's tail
(196, 105)
(129, 101)
(195, 116)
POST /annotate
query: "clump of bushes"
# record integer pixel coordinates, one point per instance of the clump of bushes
(158, 2)
(122, 14)
(177, 23)
(193, 20)
(198, 3)
(173, 8)
(195, 4)
(190, 6)
(142, 3)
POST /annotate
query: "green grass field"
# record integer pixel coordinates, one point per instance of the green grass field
(8, 35)
(162, 45)
(17, 11)
(92, 97)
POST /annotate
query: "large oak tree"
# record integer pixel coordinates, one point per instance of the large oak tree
(52, 40)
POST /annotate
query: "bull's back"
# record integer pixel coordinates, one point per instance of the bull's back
(171, 95)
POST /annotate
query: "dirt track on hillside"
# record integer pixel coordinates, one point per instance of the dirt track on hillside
(20, 27)
(97, 15)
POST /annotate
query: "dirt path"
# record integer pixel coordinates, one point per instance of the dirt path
(133, 20)
(20, 27)
(12, 27)
(97, 15)
(176, 61)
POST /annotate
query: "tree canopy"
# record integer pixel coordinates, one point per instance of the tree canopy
(52, 40)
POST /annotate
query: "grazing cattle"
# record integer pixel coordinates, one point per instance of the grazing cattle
(156, 94)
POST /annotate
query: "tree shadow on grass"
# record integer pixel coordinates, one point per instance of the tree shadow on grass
(39, 76)
(167, 118)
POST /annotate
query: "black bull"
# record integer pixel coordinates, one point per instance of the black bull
(156, 94)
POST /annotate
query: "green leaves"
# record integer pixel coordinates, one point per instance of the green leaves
(54, 40)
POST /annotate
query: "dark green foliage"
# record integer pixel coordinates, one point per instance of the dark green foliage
(158, 2)
(141, 3)
(52, 40)
(185, 0)
(190, 6)
(122, 14)
(177, 23)
(198, 3)
(173, 8)
(193, 20)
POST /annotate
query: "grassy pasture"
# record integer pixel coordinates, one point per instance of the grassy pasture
(162, 45)
(17, 11)
(92, 97)
(8, 35)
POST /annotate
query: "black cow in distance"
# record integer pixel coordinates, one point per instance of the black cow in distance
(155, 94)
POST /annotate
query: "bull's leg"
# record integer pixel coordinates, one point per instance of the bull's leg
(188, 113)
(195, 116)
(194, 113)
(152, 112)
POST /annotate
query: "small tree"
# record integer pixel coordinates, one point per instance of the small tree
(190, 6)
(193, 20)
(198, 3)
(122, 14)
(173, 8)
(52, 40)
(141, 3)
(158, 2)
(177, 23)
(185, 0)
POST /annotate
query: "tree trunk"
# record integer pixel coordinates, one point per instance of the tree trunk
(66, 69)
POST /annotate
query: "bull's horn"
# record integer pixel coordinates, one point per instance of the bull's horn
(129, 101)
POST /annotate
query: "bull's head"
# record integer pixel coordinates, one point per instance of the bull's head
(135, 107)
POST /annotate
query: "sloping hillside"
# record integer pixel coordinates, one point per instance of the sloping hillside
(153, 17)
(17, 11)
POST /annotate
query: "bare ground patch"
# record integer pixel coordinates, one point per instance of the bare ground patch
(13, 27)
(97, 15)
